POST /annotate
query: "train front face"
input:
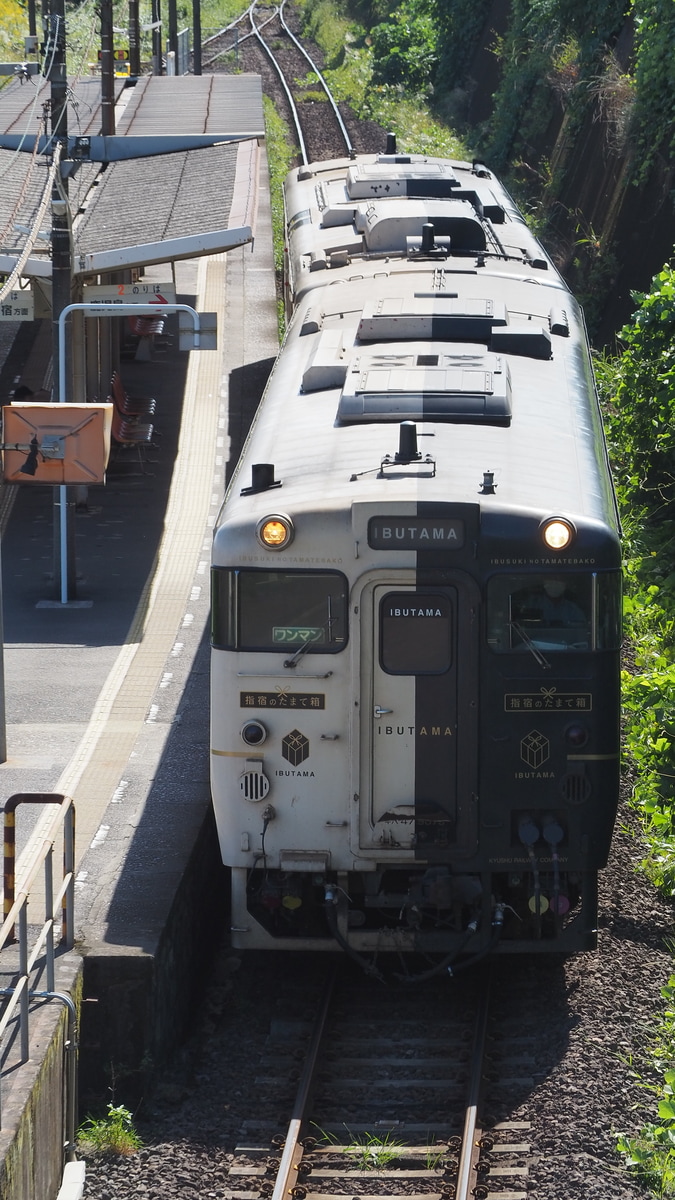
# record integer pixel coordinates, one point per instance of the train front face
(419, 751)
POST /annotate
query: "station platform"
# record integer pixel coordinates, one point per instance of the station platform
(106, 697)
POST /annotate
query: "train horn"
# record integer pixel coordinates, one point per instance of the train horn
(407, 443)
(262, 479)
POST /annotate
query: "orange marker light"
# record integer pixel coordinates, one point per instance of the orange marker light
(275, 532)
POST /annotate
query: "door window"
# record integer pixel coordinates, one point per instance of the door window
(415, 633)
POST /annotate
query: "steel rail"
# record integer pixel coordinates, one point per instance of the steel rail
(317, 72)
(470, 1151)
(229, 28)
(293, 106)
(293, 1149)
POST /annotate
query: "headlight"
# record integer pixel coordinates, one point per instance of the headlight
(254, 733)
(275, 532)
(558, 533)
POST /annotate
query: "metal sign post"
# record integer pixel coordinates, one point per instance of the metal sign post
(98, 310)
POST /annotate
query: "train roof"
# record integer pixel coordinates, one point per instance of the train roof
(485, 352)
(380, 205)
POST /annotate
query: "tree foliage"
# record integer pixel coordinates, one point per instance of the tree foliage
(655, 83)
(639, 392)
(405, 46)
(13, 27)
(425, 44)
(641, 414)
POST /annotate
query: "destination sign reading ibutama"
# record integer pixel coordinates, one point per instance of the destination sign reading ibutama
(412, 533)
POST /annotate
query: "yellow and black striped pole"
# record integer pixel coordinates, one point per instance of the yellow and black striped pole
(9, 852)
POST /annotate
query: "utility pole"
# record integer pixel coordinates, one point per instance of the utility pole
(197, 37)
(61, 253)
(134, 40)
(156, 37)
(172, 40)
(107, 70)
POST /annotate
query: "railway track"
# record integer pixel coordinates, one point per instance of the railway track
(398, 1092)
(291, 74)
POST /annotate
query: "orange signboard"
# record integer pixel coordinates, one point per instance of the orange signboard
(56, 443)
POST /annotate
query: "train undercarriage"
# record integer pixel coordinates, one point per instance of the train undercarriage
(428, 910)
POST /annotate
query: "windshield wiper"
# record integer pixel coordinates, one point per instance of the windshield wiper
(330, 621)
(293, 662)
(543, 662)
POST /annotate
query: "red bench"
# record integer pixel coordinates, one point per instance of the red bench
(146, 329)
(128, 429)
(130, 406)
(130, 432)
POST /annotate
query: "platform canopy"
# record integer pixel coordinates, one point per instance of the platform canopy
(179, 178)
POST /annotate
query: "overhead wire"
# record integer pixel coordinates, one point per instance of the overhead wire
(47, 148)
(14, 277)
(24, 186)
(51, 146)
(29, 118)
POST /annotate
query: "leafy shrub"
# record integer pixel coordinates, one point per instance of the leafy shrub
(114, 1134)
(654, 22)
(404, 48)
(651, 1155)
(13, 29)
(641, 413)
(639, 395)
(460, 26)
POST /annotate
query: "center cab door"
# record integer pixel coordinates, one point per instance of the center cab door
(419, 717)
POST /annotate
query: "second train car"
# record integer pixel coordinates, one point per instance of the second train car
(416, 587)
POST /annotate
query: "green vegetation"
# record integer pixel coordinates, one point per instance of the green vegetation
(654, 83)
(638, 389)
(407, 67)
(114, 1134)
(651, 1155)
(552, 53)
(280, 153)
(552, 50)
(405, 46)
(368, 1151)
(360, 70)
(13, 29)
(371, 1151)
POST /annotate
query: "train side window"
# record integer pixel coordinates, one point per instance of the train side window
(415, 633)
(546, 612)
(279, 610)
(607, 596)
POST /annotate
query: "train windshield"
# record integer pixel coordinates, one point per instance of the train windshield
(549, 612)
(278, 610)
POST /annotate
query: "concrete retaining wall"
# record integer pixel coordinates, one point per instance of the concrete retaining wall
(32, 1128)
(138, 1003)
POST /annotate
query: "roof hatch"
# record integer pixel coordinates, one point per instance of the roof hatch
(390, 178)
(440, 318)
(457, 384)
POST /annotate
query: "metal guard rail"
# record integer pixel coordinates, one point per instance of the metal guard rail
(39, 854)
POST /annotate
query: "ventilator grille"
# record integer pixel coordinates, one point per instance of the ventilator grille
(254, 785)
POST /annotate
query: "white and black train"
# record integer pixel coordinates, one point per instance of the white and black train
(416, 586)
